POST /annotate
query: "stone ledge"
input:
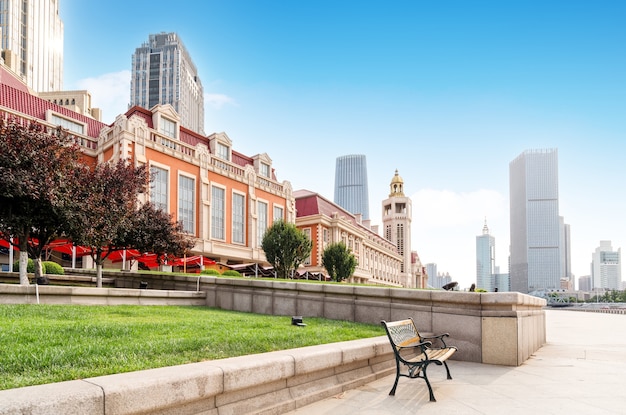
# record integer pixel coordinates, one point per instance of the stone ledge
(256, 384)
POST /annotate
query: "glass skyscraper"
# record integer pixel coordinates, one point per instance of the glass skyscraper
(163, 73)
(32, 42)
(534, 220)
(351, 191)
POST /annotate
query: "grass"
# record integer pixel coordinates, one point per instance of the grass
(52, 343)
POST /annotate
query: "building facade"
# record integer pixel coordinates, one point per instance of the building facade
(325, 223)
(225, 199)
(32, 42)
(535, 262)
(163, 73)
(606, 267)
(485, 260)
(351, 191)
(397, 216)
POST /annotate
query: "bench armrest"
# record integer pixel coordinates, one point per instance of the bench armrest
(438, 337)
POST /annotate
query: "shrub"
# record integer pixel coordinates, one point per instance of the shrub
(231, 273)
(50, 267)
(210, 271)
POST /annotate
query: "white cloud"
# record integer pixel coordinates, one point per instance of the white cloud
(110, 92)
(445, 225)
(217, 101)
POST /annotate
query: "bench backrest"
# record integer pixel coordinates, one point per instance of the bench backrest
(402, 333)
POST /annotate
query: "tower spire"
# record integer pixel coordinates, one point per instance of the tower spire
(485, 228)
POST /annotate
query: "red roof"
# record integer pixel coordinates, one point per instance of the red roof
(21, 100)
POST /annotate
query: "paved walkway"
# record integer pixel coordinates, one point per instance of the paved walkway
(580, 370)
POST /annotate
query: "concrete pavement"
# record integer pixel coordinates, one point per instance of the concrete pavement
(580, 370)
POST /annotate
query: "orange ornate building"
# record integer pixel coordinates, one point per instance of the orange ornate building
(224, 198)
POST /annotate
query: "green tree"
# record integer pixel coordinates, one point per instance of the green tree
(339, 261)
(37, 191)
(285, 247)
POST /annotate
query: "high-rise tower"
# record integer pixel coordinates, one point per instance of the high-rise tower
(397, 216)
(32, 42)
(351, 184)
(535, 224)
(485, 260)
(606, 267)
(163, 73)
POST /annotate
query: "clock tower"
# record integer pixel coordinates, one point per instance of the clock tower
(397, 214)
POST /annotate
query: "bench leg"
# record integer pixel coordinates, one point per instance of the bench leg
(430, 389)
(395, 384)
(447, 370)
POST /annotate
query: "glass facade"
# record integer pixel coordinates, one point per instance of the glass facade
(351, 191)
(239, 212)
(159, 188)
(218, 212)
(535, 222)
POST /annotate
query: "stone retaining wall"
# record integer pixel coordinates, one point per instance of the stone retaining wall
(269, 383)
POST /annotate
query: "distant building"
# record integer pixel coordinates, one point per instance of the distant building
(431, 271)
(536, 251)
(566, 255)
(397, 215)
(501, 282)
(351, 191)
(163, 73)
(485, 260)
(584, 283)
(77, 101)
(32, 42)
(325, 222)
(606, 267)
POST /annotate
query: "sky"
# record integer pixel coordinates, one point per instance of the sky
(446, 92)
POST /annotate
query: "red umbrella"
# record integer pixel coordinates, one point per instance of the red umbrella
(118, 256)
(65, 246)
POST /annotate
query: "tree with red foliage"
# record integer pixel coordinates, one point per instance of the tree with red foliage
(154, 231)
(106, 212)
(38, 167)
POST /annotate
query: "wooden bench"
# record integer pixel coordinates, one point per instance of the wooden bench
(416, 352)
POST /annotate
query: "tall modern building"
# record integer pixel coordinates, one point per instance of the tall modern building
(397, 216)
(485, 260)
(351, 184)
(32, 42)
(535, 262)
(606, 267)
(163, 73)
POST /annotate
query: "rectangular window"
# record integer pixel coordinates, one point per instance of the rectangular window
(265, 170)
(222, 151)
(73, 126)
(186, 203)
(261, 221)
(278, 213)
(239, 212)
(159, 189)
(167, 127)
(218, 205)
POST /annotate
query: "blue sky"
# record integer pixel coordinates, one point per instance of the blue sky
(447, 92)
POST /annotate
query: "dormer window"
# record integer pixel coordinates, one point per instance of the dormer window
(167, 127)
(73, 126)
(264, 170)
(223, 151)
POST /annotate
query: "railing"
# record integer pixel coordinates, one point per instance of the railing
(173, 144)
(224, 165)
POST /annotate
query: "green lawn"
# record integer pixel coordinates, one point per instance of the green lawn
(52, 343)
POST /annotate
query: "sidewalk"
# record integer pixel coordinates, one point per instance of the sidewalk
(580, 370)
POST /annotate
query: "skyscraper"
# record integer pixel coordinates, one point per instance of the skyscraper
(485, 260)
(163, 73)
(351, 184)
(535, 224)
(32, 42)
(606, 267)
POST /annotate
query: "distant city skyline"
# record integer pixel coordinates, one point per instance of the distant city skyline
(448, 93)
